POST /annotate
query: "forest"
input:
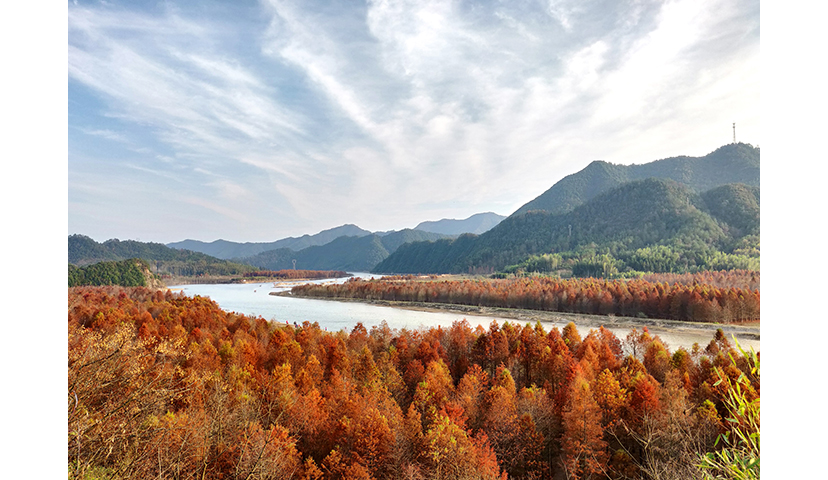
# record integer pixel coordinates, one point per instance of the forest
(706, 299)
(161, 385)
(132, 272)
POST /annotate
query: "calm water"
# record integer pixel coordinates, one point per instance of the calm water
(255, 299)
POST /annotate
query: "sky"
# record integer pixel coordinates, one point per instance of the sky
(255, 121)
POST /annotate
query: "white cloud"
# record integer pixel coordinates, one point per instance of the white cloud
(383, 111)
(562, 11)
(201, 109)
(106, 133)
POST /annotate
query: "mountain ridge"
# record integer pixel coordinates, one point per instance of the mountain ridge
(731, 163)
(227, 250)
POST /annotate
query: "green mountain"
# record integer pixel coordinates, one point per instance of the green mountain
(162, 259)
(228, 250)
(621, 222)
(732, 163)
(735, 205)
(359, 254)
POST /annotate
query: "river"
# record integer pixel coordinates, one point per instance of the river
(254, 299)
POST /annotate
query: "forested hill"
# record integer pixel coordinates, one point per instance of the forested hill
(133, 272)
(622, 222)
(162, 259)
(229, 250)
(732, 163)
(348, 253)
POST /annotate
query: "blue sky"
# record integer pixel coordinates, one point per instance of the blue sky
(253, 121)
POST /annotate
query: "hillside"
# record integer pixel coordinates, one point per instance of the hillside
(737, 206)
(162, 259)
(228, 250)
(132, 272)
(619, 222)
(732, 163)
(477, 224)
(344, 253)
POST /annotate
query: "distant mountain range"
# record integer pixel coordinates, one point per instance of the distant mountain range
(477, 224)
(354, 254)
(227, 250)
(346, 247)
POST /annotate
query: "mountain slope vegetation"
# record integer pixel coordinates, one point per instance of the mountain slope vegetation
(732, 163)
(735, 205)
(133, 272)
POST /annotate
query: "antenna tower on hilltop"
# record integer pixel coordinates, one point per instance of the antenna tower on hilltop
(734, 132)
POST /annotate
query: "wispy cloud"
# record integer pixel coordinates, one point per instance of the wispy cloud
(107, 134)
(389, 113)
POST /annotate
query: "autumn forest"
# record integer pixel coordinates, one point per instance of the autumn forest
(162, 385)
(710, 297)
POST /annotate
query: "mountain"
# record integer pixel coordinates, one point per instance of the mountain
(163, 259)
(622, 220)
(347, 247)
(227, 250)
(732, 163)
(348, 253)
(476, 224)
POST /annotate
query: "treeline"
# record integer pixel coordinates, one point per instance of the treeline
(127, 273)
(161, 385)
(742, 279)
(629, 298)
(607, 262)
(297, 274)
